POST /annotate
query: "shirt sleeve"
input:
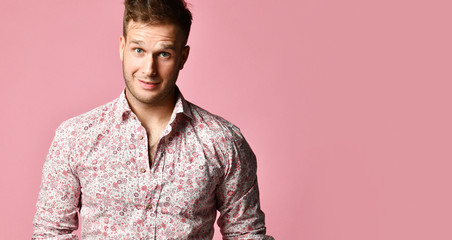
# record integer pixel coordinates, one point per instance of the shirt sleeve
(238, 195)
(58, 202)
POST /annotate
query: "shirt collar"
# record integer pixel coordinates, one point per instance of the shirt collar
(182, 106)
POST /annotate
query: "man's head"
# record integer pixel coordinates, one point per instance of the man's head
(158, 12)
(153, 49)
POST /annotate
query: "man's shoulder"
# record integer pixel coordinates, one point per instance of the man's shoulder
(214, 126)
(218, 135)
(105, 114)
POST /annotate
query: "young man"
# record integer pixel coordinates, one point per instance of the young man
(150, 165)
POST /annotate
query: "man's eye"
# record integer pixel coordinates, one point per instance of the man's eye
(164, 54)
(139, 50)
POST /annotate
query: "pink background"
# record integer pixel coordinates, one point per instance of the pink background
(347, 104)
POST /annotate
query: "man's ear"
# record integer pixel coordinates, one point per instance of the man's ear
(122, 45)
(185, 53)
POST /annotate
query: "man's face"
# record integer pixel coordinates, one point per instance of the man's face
(152, 56)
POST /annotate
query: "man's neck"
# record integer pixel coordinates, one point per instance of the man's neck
(153, 115)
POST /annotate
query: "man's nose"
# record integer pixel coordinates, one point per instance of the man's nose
(150, 66)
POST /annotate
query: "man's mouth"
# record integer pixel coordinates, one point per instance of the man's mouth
(148, 85)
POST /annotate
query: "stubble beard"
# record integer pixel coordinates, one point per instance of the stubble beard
(159, 99)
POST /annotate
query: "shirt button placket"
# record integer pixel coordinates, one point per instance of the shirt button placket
(148, 207)
(142, 170)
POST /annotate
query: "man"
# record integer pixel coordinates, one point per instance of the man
(150, 165)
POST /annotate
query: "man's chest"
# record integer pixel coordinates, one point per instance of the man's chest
(116, 173)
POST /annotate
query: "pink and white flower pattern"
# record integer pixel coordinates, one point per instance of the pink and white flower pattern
(98, 167)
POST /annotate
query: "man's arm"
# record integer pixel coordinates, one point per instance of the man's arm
(58, 202)
(238, 195)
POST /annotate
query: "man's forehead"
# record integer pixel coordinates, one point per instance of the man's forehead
(132, 25)
(140, 33)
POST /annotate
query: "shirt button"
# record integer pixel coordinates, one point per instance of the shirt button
(140, 137)
(143, 170)
(149, 207)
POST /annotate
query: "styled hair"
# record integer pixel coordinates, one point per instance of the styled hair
(158, 12)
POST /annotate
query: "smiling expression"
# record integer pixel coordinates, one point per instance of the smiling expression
(152, 56)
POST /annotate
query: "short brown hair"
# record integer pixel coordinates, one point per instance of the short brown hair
(158, 12)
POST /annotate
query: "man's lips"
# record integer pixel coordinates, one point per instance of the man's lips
(147, 85)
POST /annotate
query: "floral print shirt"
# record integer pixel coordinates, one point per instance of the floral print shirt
(98, 167)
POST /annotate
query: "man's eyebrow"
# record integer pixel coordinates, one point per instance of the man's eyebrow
(138, 42)
(168, 46)
(164, 45)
